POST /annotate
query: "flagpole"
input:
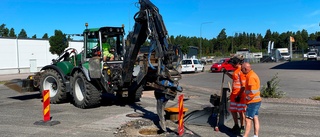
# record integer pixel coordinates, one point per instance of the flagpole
(291, 40)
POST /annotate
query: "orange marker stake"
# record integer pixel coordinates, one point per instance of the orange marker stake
(180, 127)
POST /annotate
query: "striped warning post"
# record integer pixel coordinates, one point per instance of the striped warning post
(46, 105)
(180, 117)
(46, 111)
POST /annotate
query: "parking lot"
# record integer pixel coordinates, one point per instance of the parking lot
(294, 115)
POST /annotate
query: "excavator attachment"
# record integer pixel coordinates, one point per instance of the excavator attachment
(22, 85)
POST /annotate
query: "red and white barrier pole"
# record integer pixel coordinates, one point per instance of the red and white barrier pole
(180, 116)
(46, 105)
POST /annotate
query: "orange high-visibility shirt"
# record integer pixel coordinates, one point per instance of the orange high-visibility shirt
(252, 87)
(236, 83)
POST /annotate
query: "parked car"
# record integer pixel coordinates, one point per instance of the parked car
(191, 65)
(221, 65)
(312, 56)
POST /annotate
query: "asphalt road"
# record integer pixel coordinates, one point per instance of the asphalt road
(293, 116)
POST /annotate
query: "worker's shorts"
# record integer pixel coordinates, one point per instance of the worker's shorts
(107, 53)
(252, 109)
(237, 106)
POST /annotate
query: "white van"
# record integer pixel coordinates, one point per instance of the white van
(312, 56)
(191, 65)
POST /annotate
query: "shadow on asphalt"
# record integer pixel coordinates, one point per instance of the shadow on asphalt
(27, 97)
(206, 118)
(299, 65)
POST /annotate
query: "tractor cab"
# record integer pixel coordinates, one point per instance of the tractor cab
(94, 56)
(94, 38)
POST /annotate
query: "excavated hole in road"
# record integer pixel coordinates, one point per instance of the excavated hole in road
(144, 128)
(149, 131)
(135, 114)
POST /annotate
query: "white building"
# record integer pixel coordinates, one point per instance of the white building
(27, 55)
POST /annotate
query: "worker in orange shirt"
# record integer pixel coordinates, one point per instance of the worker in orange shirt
(253, 98)
(237, 98)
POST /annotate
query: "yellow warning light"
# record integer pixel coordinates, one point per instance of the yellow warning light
(108, 72)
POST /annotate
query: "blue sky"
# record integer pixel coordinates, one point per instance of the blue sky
(181, 17)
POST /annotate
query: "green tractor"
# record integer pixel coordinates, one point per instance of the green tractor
(82, 77)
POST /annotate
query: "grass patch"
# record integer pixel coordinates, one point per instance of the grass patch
(2, 82)
(315, 98)
(271, 90)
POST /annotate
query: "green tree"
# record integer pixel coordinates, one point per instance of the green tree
(275, 38)
(304, 35)
(258, 42)
(34, 36)
(22, 34)
(222, 41)
(171, 39)
(214, 43)
(58, 42)
(283, 40)
(2, 27)
(45, 36)
(266, 39)
(12, 34)
(5, 32)
(312, 36)
(182, 41)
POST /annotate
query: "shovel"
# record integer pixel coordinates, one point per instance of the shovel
(22, 85)
(216, 128)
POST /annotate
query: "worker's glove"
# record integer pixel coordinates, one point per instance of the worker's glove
(224, 71)
(238, 98)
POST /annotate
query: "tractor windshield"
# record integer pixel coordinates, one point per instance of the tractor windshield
(92, 47)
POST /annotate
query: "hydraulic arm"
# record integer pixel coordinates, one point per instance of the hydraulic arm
(162, 75)
(149, 25)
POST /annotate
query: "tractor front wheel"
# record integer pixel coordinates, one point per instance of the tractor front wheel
(52, 81)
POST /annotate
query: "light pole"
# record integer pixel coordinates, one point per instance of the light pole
(201, 36)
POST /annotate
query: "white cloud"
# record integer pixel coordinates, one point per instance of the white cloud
(314, 13)
(313, 26)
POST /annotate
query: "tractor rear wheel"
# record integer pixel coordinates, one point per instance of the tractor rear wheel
(85, 94)
(51, 80)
